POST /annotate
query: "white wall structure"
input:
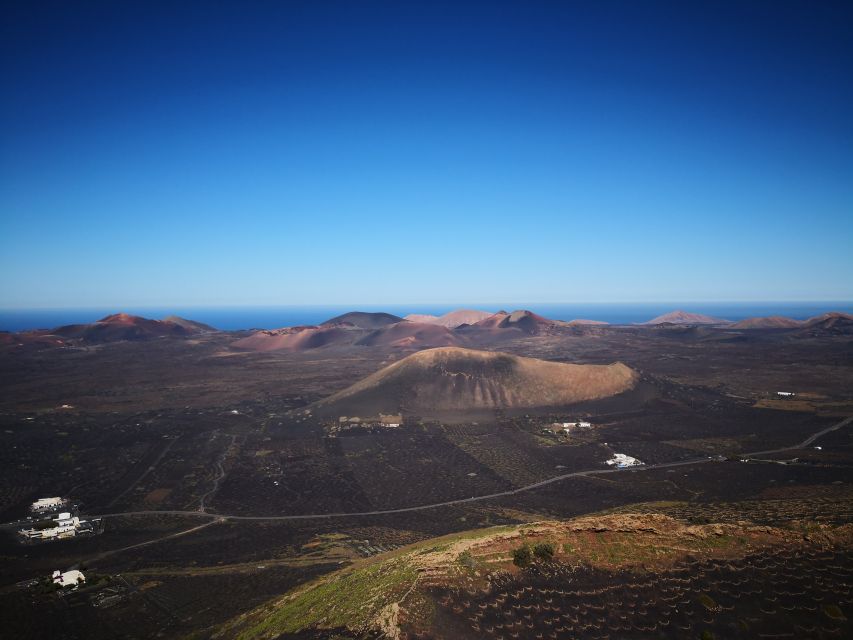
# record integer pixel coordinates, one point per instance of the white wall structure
(620, 460)
(71, 578)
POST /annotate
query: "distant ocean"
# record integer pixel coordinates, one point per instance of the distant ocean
(235, 318)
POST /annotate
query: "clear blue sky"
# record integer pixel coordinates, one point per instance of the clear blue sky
(218, 153)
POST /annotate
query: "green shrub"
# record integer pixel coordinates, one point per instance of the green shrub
(522, 556)
(544, 551)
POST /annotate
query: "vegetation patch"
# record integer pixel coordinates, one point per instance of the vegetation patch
(350, 599)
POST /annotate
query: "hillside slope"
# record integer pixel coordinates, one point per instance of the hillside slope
(364, 320)
(684, 317)
(451, 319)
(769, 322)
(299, 338)
(453, 379)
(417, 335)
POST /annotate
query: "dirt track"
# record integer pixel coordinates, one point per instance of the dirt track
(682, 463)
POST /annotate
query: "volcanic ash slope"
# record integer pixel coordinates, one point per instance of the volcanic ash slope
(456, 379)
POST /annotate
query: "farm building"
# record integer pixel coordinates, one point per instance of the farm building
(62, 526)
(47, 504)
(390, 420)
(566, 427)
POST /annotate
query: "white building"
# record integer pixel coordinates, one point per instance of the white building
(785, 394)
(391, 420)
(46, 504)
(64, 526)
(71, 578)
(567, 426)
(620, 461)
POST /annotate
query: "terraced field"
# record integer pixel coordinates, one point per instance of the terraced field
(641, 571)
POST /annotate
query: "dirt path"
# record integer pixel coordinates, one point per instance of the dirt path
(105, 554)
(145, 473)
(577, 474)
(221, 474)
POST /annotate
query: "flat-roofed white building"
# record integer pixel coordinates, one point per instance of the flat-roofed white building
(64, 526)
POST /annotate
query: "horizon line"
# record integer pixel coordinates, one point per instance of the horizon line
(161, 306)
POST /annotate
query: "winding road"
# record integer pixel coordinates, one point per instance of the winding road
(491, 496)
(220, 471)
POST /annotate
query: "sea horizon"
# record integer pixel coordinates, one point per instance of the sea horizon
(236, 318)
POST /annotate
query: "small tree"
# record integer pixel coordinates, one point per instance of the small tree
(544, 551)
(522, 556)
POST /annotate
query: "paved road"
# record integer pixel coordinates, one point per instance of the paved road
(491, 496)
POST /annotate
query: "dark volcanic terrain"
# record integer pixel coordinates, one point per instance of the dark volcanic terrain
(236, 502)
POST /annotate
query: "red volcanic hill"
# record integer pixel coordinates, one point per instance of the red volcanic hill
(299, 338)
(833, 323)
(123, 326)
(191, 325)
(831, 315)
(364, 320)
(518, 322)
(452, 319)
(452, 379)
(417, 335)
(769, 322)
(683, 317)
(35, 340)
(414, 335)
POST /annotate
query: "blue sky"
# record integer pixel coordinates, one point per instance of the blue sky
(263, 153)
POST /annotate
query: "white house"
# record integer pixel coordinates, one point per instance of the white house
(785, 394)
(71, 578)
(568, 426)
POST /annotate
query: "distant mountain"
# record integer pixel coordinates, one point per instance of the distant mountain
(453, 379)
(123, 326)
(828, 316)
(364, 320)
(520, 321)
(192, 325)
(421, 317)
(769, 322)
(417, 335)
(828, 324)
(299, 338)
(683, 317)
(452, 319)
